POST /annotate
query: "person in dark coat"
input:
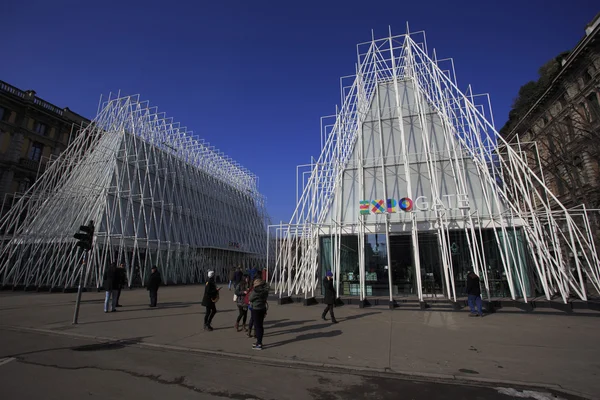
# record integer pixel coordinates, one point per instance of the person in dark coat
(232, 278)
(239, 276)
(122, 277)
(258, 299)
(111, 286)
(153, 284)
(241, 290)
(330, 297)
(211, 296)
(474, 293)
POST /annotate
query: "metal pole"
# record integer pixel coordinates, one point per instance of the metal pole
(81, 275)
(267, 274)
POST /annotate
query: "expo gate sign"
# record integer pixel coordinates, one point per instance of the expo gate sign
(421, 203)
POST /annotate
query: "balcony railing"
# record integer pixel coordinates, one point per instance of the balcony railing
(5, 87)
(32, 165)
(47, 106)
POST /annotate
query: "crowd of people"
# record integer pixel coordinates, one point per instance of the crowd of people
(251, 293)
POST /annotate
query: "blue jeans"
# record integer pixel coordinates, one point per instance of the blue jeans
(110, 295)
(475, 299)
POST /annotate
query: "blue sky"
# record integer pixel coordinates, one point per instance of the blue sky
(254, 78)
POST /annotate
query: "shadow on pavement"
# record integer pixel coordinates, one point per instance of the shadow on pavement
(105, 321)
(301, 329)
(275, 321)
(357, 316)
(308, 336)
(98, 301)
(112, 345)
(286, 324)
(127, 308)
(316, 326)
(88, 347)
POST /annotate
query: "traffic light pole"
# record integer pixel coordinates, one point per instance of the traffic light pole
(79, 289)
(85, 240)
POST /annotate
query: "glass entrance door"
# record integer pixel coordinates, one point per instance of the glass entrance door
(403, 269)
(431, 265)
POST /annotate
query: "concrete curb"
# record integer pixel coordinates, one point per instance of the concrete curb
(356, 370)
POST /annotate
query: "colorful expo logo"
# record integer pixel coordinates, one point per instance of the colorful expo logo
(421, 203)
(381, 206)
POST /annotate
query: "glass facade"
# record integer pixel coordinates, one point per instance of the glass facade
(403, 275)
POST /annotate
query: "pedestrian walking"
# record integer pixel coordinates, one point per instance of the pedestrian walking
(122, 277)
(258, 299)
(239, 275)
(329, 298)
(154, 283)
(211, 296)
(474, 294)
(241, 290)
(111, 285)
(231, 278)
(249, 304)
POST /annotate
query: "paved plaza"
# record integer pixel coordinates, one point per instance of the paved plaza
(505, 348)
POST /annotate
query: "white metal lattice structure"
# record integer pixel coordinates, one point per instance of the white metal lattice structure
(158, 196)
(405, 129)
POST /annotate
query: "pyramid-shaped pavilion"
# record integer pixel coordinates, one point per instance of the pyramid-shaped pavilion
(414, 188)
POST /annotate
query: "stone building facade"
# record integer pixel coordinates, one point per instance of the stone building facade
(32, 133)
(560, 133)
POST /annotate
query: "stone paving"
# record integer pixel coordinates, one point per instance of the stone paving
(550, 349)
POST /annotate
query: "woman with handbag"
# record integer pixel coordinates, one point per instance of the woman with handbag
(211, 296)
(241, 290)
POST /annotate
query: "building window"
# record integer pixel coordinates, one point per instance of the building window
(592, 98)
(586, 77)
(35, 152)
(40, 128)
(584, 111)
(24, 185)
(562, 100)
(550, 143)
(560, 187)
(569, 127)
(580, 170)
(4, 114)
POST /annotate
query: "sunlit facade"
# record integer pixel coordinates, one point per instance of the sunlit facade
(414, 187)
(157, 194)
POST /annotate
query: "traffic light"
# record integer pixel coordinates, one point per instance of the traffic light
(85, 238)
